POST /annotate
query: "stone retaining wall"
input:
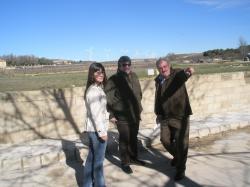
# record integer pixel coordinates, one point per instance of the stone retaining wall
(57, 113)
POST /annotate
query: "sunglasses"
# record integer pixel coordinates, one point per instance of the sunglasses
(124, 65)
(99, 72)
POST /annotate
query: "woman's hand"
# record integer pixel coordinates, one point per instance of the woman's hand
(104, 138)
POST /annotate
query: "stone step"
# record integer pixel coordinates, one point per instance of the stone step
(42, 152)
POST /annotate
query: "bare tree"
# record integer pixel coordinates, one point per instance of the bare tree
(171, 56)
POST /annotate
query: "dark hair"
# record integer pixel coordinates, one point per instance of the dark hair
(123, 59)
(94, 67)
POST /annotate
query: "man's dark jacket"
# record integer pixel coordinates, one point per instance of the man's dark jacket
(124, 97)
(171, 97)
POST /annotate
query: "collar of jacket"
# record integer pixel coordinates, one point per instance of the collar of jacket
(122, 73)
(160, 78)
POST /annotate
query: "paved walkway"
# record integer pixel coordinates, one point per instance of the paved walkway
(49, 150)
(44, 160)
(223, 162)
(202, 127)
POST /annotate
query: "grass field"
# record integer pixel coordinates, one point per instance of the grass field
(20, 82)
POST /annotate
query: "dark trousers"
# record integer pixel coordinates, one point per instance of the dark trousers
(127, 140)
(175, 139)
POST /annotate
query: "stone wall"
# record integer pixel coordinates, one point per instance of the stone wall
(208, 94)
(58, 113)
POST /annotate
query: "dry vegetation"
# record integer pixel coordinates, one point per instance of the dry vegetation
(62, 76)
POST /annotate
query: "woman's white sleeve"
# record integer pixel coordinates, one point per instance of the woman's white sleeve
(96, 112)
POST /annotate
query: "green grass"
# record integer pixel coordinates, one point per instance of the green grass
(217, 67)
(36, 82)
(20, 82)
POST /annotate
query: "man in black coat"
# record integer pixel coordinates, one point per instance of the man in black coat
(124, 96)
(172, 109)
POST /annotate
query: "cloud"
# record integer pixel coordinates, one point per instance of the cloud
(221, 4)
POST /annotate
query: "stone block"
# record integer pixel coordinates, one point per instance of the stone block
(204, 132)
(247, 80)
(197, 95)
(230, 84)
(194, 133)
(214, 130)
(31, 161)
(214, 92)
(238, 76)
(49, 158)
(148, 118)
(225, 127)
(61, 157)
(212, 108)
(226, 77)
(23, 135)
(225, 104)
(244, 124)
(234, 125)
(11, 164)
(246, 74)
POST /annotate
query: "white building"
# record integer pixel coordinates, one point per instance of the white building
(2, 63)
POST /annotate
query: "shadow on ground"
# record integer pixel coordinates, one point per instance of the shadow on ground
(155, 159)
(73, 159)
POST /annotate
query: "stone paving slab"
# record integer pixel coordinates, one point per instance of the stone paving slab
(212, 124)
(224, 161)
(42, 152)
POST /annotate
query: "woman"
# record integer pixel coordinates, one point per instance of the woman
(96, 125)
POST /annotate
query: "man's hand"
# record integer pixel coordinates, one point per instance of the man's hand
(158, 119)
(189, 71)
(113, 120)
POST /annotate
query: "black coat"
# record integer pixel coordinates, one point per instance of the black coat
(171, 97)
(124, 97)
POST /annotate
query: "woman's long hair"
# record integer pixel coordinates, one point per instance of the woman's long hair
(94, 67)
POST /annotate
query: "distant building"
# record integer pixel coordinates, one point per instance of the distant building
(61, 62)
(186, 61)
(217, 59)
(2, 64)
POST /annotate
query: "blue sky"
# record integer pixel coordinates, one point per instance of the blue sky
(106, 29)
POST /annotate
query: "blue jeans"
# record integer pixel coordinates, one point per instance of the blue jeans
(93, 170)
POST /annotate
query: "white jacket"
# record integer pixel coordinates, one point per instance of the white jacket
(96, 115)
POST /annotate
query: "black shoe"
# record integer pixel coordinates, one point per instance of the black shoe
(148, 143)
(179, 175)
(126, 168)
(173, 162)
(138, 162)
